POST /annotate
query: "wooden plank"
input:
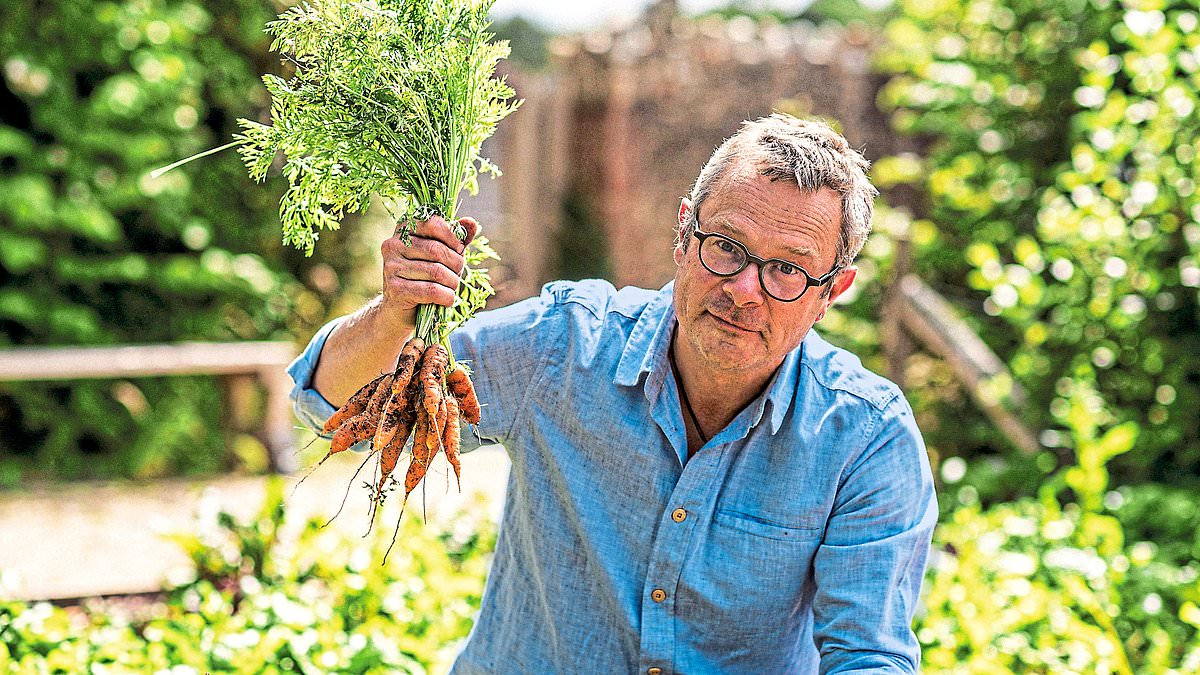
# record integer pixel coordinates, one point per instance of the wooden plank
(263, 360)
(186, 358)
(933, 322)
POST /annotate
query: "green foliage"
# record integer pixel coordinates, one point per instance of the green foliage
(393, 100)
(271, 598)
(1033, 585)
(848, 12)
(95, 251)
(843, 12)
(390, 100)
(1059, 171)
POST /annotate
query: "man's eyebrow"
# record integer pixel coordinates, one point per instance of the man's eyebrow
(798, 251)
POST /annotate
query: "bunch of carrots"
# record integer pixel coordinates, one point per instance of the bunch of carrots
(425, 398)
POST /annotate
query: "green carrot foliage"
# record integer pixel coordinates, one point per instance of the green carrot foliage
(390, 99)
(387, 98)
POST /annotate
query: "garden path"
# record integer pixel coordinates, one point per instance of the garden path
(76, 541)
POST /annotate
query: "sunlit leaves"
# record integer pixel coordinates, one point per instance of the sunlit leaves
(264, 598)
(1062, 142)
(387, 99)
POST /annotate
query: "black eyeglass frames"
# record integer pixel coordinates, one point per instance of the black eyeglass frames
(785, 281)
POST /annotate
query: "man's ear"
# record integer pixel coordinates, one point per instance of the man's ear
(685, 212)
(840, 284)
(685, 215)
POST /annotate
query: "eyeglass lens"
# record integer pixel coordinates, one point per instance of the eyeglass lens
(726, 257)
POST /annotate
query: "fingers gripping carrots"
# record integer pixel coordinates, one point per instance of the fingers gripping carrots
(426, 397)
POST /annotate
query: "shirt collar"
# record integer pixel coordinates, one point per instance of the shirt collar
(646, 352)
(649, 340)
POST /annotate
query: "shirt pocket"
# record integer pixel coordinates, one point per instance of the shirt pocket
(743, 589)
(761, 527)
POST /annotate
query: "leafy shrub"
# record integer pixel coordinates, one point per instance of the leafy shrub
(1059, 170)
(1036, 585)
(273, 599)
(94, 251)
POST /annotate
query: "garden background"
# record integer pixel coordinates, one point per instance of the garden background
(1038, 165)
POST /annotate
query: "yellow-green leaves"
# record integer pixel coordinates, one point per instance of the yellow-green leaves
(389, 99)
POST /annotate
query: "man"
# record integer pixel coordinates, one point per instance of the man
(700, 484)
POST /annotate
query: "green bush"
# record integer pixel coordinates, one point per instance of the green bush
(94, 251)
(267, 598)
(1059, 162)
(1034, 585)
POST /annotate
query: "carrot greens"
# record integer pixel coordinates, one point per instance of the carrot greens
(389, 99)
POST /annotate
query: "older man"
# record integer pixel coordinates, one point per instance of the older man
(700, 483)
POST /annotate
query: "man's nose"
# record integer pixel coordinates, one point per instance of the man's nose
(744, 287)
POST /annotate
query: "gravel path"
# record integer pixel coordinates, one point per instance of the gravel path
(99, 539)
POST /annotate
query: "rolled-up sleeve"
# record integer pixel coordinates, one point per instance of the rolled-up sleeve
(503, 347)
(869, 568)
(311, 407)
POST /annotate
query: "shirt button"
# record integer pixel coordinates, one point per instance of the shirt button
(658, 595)
(654, 671)
(678, 515)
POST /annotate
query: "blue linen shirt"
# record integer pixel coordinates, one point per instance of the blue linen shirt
(794, 541)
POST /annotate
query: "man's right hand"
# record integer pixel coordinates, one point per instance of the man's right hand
(367, 342)
(427, 272)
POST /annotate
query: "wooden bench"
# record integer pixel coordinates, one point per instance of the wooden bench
(239, 363)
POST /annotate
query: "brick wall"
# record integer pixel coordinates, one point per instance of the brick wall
(627, 119)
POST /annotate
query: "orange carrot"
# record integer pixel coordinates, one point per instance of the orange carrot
(434, 440)
(450, 438)
(355, 405)
(407, 364)
(358, 428)
(433, 377)
(459, 384)
(374, 406)
(361, 426)
(421, 457)
(390, 455)
(400, 398)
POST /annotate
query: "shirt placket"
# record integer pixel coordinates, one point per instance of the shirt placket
(686, 507)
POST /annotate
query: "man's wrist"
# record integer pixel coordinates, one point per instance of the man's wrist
(384, 321)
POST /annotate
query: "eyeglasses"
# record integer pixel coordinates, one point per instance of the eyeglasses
(780, 279)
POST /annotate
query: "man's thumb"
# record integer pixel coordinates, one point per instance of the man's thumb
(471, 226)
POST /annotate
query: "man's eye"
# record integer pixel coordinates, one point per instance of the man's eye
(787, 270)
(726, 246)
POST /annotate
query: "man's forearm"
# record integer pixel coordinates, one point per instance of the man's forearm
(362, 347)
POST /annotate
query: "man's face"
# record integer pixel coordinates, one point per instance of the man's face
(730, 323)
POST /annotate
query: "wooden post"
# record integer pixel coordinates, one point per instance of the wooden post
(930, 319)
(897, 344)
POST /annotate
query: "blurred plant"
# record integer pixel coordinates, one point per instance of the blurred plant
(581, 250)
(1059, 168)
(530, 41)
(1036, 585)
(94, 251)
(271, 598)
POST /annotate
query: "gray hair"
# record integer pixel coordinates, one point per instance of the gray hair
(809, 152)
